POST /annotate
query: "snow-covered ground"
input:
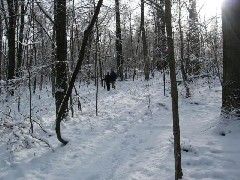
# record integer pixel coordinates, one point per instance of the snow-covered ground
(131, 138)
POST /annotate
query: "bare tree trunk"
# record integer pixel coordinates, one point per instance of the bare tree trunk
(132, 48)
(72, 44)
(145, 47)
(30, 96)
(88, 56)
(193, 38)
(163, 44)
(12, 8)
(1, 47)
(194, 30)
(119, 50)
(97, 58)
(231, 54)
(42, 56)
(34, 45)
(61, 53)
(100, 68)
(174, 92)
(53, 67)
(160, 44)
(87, 33)
(184, 74)
(5, 59)
(20, 41)
(164, 82)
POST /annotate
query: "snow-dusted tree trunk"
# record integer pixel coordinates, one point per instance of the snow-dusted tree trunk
(231, 54)
(183, 69)
(11, 26)
(193, 64)
(53, 54)
(20, 40)
(145, 46)
(174, 92)
(119, 50)
(61, 53)
(193, 29)
(1, 47)
(97, 62)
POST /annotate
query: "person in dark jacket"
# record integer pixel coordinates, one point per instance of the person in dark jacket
(113, 76)
(107, 79)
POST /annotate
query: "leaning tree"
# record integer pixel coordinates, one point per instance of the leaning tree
(174, 91)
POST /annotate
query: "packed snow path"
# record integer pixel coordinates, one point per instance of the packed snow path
(131, 139)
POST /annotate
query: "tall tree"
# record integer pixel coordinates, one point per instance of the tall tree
(61, 54)
(159, 56)
(1, 48)
(184, 74)
(53, 47)
(119, 49)
(231, 54)
(193, 39)
(20, 40)
(144, 41)
(12, 12)
(174, 91)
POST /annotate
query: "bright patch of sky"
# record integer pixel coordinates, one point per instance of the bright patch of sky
(209, 8)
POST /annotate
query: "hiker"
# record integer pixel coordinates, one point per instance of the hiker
(113, 76)
(107, 79)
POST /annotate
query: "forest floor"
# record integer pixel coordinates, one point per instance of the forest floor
(131, 138)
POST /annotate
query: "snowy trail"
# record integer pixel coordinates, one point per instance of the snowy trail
(125, 143)
(131, 139)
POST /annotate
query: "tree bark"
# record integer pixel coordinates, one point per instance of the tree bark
(61, 54)
(21, 35)
(193, 29)
(12, 4)
(194, 40)
(72, 44)
(145, 47)
(97, 62)
(174, 92)
(231, 54)
(53, 54)
(184, 74)
(119, 49)
(1, 47)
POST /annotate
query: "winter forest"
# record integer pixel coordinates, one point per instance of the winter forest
(172, 113)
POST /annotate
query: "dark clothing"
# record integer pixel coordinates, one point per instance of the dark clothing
(110, 79)
(113, 76)
(113, 84)
(108, 86)
(107, 79)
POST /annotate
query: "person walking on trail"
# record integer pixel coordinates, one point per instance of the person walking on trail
(113, 76)
(107, 79)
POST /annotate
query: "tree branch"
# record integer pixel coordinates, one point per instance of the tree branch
(158, 6)
(44, 12)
